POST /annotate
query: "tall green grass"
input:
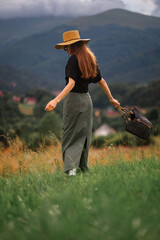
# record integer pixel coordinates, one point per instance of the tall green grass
(119, 201)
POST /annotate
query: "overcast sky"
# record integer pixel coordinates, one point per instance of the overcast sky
(27, 8)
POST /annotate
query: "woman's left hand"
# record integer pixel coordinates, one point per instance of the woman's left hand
(51, 105)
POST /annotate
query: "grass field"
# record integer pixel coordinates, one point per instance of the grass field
(118, 199)
(26, 109)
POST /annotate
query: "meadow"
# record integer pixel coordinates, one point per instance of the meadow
(26, 108)
(118, 198)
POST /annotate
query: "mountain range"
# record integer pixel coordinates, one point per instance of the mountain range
(126, 45)
(12, 30)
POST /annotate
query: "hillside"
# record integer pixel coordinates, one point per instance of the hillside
(125, 53)
(119, 17)
(15, 29)
(20, 81)
(141, 67)
(144, 95)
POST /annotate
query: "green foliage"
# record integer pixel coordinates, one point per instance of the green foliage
(39, 94)
(127, 139)
(34, 140)
(25, 80)
(120, 139)
(99, 142)
(119, 90)
(3, 138)
(117, 123)
(51, 122)
(32, 130)
(154, 116)
(141, 67)
(144, 96)
(39, 110)
(114, 201)
(9, 111)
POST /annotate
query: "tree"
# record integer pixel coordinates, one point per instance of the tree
(51, 122)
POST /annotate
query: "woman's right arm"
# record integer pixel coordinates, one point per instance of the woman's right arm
(53, 103)
(107, 91)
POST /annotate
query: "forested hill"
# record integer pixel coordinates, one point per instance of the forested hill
(21, 81)
(145, 95)
(14, 29)
(126, 45)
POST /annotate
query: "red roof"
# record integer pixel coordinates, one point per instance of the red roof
(16, 98)
(31, 99)
(1, 93)
(56, 93)
(111, 113)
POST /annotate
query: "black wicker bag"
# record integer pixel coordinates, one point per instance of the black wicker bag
(136, 122)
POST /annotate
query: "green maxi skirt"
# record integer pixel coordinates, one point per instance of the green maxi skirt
(77, 130)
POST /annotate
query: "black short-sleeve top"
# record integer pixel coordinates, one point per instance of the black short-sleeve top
(81, 84)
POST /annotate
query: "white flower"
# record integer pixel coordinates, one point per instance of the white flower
(19, 198)
(54, 210)
(136, 222)
(87, 203)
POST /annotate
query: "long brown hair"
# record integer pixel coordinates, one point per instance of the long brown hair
(86, 59)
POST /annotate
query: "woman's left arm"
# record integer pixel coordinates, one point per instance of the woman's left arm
(107, 91)
(53, 103)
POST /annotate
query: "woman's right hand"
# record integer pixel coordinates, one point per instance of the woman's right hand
(115, 102)
(51, 105)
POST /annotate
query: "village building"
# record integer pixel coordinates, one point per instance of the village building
(112, 113)
(56, 93)
(104, 130)
(30, 100)
(13, 84)
(1, 94)
(16, 99)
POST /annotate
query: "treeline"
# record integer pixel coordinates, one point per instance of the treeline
(21, 81)
(43, 127)
(144, 95)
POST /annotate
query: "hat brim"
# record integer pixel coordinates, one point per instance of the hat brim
(62, 45)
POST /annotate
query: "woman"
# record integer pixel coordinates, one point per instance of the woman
(81, 70)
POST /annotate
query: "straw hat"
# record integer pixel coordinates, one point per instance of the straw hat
(70, 37)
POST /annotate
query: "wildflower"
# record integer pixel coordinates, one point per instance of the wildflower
(54, 211)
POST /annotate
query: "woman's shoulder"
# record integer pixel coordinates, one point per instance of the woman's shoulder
(72, 60)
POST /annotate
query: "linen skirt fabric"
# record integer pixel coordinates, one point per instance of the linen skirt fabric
(77, 130)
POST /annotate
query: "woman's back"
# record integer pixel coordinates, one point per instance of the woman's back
(73, 71)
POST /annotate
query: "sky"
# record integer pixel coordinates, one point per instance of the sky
(75, 8)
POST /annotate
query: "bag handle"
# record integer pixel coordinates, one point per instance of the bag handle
(125, 113)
